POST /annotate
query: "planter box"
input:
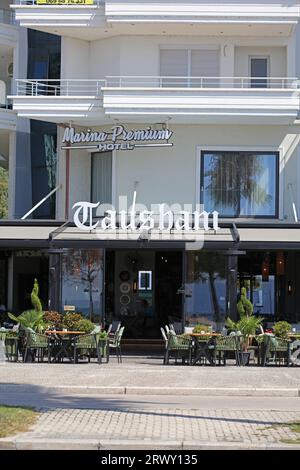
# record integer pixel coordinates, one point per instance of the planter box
(103, 344)
(244, 358)
(11, 348)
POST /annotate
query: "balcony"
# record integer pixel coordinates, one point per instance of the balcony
(104, 18)
(149, 99)
(8, 28)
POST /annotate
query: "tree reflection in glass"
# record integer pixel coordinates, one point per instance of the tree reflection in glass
(207, 283)
(82, 270)
(239, 183)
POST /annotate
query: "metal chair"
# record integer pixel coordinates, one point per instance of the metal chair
(274, 349)
(115, 343)
(224, 345)
(36, 343)
(86, 345)
(179, 346)
(165, 338)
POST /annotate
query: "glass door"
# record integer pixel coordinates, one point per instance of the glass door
(259, 72)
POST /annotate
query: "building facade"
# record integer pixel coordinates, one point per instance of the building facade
(134, 105)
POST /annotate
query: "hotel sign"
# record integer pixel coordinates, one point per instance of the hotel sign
(65, 2)
(119, 138)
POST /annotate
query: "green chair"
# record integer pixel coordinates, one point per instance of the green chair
(86, 345)
(180, 346)
(223, 346)
(274, 350)
(36, 343)
(115, 343)
(11, 347)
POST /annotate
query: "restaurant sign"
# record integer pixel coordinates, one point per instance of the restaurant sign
(137, 218)
(65, 2)
(118, 138)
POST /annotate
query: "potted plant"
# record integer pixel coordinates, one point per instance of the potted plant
(103, 344)
(245, 328)
(282, 329)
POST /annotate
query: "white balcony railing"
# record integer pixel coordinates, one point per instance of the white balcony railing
(70, 3)
(92, 88)
(72, 87)
(7, 16)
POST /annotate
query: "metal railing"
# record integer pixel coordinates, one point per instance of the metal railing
(92, 88)
(59, 2)
(202, 82)
(7, 16)
(53, 87)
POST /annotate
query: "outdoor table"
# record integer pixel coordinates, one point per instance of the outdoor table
(64, 344)
(201, 347)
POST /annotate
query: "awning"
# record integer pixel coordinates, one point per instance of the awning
(43, 234)
(20, 235)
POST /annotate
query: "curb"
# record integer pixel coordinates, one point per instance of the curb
(170, 391)
(147, 444)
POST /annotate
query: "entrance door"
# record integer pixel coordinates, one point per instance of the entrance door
(142, 292)
(169, 279)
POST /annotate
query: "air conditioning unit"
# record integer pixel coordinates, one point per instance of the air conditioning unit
(10, 70)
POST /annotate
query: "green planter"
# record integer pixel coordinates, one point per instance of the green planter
(103, 345)
(11, 348)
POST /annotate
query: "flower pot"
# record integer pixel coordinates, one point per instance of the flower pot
(244, 358)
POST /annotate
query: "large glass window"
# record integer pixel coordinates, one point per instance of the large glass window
(102, 177)
(240, 184)
(206, 288)
(43, 167)
(256, 272)
(82, 282)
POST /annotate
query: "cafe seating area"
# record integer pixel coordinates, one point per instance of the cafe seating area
(194, 347)
(58, 346)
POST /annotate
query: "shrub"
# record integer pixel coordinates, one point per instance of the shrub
(244, 306)
(200, 327)
(53, 319)
(35, 300)
(70, 320)
(281, 329)
(85, 325)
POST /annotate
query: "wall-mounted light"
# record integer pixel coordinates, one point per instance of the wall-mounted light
(290, 288)
(265, 270)
(280, 263)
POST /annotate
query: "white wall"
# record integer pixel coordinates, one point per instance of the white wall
(170, 175)
(139, 55)
(75, 58)
(105, 57)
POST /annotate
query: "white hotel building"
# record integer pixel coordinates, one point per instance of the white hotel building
(217, 82)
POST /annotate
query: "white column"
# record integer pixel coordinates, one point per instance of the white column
(227, 61)
(10, 283)
(12, 175)
(291, 57)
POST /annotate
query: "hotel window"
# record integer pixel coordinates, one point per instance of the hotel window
(240, 184)
(101, 179)
(184, 67)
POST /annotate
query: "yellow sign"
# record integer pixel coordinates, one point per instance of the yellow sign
(69, 308)
(65, 2)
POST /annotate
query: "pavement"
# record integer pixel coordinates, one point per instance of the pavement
(142, 404)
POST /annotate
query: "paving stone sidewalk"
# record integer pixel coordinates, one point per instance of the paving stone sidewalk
(160, 425)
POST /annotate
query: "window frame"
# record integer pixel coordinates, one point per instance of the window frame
(200, 180)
